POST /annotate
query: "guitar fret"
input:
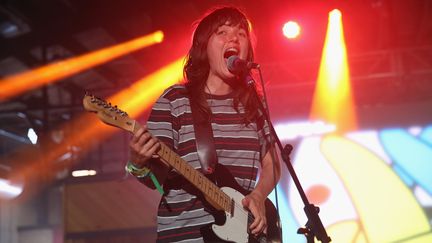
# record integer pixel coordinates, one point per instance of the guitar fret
(170, 154)
(193, 176)
(180, 168)
(216, 197)
(187, 172)
(210, 192)
(223, 201)
(165, 154)
(199, 181)
(221, 197)
(227, 204)
(205, 187)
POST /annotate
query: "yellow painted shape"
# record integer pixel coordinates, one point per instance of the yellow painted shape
(343, 232)
(361, 238)
(386, 207)
(421, 239)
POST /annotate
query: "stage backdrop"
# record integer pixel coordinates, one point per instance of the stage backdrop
(371, 185)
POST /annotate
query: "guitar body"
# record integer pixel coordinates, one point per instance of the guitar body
(236, 225)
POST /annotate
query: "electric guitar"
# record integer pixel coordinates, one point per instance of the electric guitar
(226, 200)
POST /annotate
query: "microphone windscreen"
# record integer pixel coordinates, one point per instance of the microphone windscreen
(232, 64)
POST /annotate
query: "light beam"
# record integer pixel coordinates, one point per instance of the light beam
(333, 101)
(19, 83)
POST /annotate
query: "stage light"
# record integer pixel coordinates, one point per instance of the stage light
(291, 30)
(10, 190)
(335, 16)
(333, 101)
(82, 173)
(19, 83)
(31, 134)
(8, 29)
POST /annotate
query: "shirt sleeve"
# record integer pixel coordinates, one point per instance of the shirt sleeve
(161, 122)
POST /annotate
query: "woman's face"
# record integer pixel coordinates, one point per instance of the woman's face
(225, 42)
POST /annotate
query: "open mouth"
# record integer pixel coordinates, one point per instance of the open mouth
(230, 52)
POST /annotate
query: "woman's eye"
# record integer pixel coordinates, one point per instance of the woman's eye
(221, 32)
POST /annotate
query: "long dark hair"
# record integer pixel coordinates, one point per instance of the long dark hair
(197, 67)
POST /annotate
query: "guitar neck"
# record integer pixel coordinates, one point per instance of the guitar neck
(212, 193)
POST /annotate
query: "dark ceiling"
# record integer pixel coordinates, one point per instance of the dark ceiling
(389, 44)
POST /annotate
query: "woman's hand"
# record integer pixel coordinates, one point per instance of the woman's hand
(255, 202)
(142, 147)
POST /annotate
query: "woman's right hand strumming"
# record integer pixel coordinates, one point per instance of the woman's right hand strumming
(142, 147)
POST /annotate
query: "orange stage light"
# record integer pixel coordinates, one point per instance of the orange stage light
(333, 101)
(19, 83)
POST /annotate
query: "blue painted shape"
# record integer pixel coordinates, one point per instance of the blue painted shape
(426, 134)
(411, 154)
(403, 175)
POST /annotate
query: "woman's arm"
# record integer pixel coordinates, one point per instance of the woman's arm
(255, 201)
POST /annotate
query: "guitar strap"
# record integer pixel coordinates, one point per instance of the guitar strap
(204, 139)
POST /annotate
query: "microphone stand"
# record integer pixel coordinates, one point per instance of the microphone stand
(314, 227)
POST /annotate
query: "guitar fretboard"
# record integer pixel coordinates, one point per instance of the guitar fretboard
(213, 194)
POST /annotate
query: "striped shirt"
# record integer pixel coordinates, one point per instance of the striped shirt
(239, 148)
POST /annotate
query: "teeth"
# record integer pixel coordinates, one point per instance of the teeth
(230, 52)
(232, 49)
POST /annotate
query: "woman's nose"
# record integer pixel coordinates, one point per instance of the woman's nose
(233, 37)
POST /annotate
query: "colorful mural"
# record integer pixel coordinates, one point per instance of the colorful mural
(371, 186)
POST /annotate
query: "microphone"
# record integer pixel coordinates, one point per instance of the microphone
(239, 66)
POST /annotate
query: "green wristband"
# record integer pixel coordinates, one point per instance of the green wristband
(138, 172)
(142, 173)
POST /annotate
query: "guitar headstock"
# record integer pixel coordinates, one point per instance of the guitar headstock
(107, 113)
